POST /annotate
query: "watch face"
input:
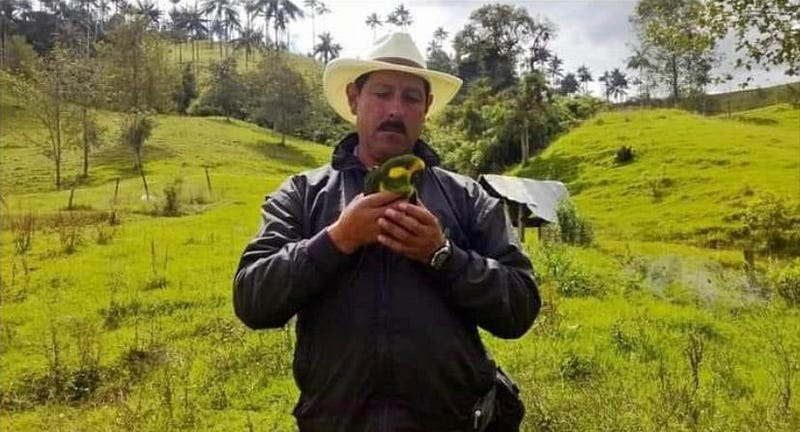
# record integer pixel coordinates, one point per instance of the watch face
(441, 255)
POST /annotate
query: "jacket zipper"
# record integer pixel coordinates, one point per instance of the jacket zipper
(382, 339)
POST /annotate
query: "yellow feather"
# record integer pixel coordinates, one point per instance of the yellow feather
(398, 172)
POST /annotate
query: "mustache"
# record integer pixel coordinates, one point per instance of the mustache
(393, 126)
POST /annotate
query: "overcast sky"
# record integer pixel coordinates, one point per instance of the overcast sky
(595, 33)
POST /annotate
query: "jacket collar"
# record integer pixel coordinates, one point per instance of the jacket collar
(344, 159)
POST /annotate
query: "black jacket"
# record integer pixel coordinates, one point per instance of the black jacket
(385, 343)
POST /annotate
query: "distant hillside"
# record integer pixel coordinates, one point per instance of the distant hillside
(691, 174)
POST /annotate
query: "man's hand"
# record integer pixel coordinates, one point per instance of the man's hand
(410, 230)
(358, 224)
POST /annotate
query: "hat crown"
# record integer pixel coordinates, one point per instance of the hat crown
(398, 48)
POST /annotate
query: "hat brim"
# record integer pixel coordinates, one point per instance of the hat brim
(341, 72)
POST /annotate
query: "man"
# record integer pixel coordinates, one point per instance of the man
(388, 306)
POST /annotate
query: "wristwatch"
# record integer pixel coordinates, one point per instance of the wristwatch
(441, 255)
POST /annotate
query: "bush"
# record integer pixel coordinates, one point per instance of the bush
(624, 155)
(23, 227)
(172, 205)
(572, 228)
(786, 283)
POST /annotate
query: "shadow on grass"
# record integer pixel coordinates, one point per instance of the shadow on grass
(287, 154)
(554, 167)
(760, 121)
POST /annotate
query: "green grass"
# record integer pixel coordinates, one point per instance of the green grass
(145, 303)
(691, 175)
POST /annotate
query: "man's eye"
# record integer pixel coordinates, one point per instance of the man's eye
(414, 98)
(382, 94)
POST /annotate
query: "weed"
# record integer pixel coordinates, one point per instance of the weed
(70, 227)
(23, 226)
(577, 368)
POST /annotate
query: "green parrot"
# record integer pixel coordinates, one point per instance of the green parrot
(395, 175)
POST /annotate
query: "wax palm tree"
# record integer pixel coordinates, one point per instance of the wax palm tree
(439, 36)
(585, 77)
(326, 49)
(400, 17)
(282, 12)
(196, 26)
(373, 21)
(250, 41)
(554, 68)
(148, 10)
(226, 17)
(316, 7)
(619, 84)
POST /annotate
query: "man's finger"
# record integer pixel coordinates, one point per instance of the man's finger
(411, 224)
(421, 214)
(380, 199)
(395, 230)
(392, 244)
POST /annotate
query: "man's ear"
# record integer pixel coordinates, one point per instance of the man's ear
(352, 95)
(430, 101)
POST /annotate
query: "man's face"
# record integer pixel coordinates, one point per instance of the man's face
(390, 111)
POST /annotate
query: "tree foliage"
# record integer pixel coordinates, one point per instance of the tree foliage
(494, 41)
(669, 32)
(767, 32)
(281, 98)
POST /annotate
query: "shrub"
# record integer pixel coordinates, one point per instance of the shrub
(172, 205)
(624, 155)
(572, 228)
(786, 283)
(23, 227)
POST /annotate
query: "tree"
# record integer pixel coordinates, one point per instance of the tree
(84, 92)
(226, 17)
(135, 129)
(250, 41)
(639, 62)
(492, 42)
(149, 11)
(188, 90)
(438, 59)
(766, 32)
(281, 98)
(139, 75)
(373, 21)
(316, 7)
(585, 77)
(326, 49)
(46, 94)
(608, 84)
(619, 84)
(569, 85)
(669, 30)
(400, 17)
(226, 92)
(195, 25)
(282, 12)
(554, 68)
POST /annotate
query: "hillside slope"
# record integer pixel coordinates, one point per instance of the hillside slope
(691, 175)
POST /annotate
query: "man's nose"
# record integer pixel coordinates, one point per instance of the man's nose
(395, 106)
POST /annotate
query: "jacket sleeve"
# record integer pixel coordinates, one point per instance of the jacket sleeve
(493, 281)
(280, 270)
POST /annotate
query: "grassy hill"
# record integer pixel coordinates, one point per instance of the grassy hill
(119, 317)
(691, 175)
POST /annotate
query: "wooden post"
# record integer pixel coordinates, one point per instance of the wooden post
(208, 179)
(520, 224)
(116, 190)
(71, 196)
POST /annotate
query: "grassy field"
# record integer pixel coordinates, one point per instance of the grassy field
(118, 317)
(691, 178)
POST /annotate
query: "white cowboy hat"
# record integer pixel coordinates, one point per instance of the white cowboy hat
(395, 51)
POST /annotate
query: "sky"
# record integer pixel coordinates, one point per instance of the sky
(595, 33)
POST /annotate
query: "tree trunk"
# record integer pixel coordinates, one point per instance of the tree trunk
(86, 143)
(524, 144)
(674, 80)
